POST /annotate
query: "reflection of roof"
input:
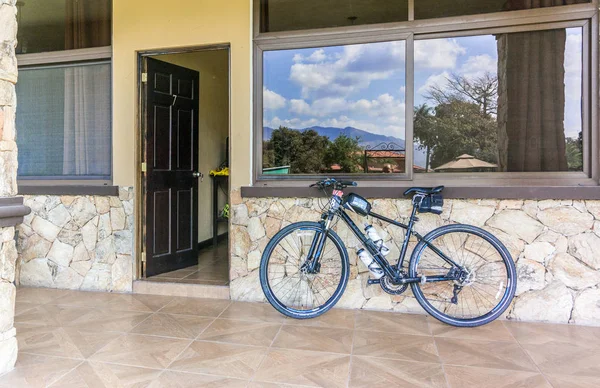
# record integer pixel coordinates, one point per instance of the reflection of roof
(465, 162)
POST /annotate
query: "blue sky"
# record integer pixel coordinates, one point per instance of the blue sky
(363, 86)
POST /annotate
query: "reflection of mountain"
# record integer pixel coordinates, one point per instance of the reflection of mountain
(365, 138)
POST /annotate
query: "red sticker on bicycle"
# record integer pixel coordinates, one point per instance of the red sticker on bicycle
(338, 193)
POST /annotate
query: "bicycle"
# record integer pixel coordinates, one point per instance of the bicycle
(460, 274)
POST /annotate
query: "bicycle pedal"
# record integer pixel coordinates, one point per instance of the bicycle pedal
(373, 281)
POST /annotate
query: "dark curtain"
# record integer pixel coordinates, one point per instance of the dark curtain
(531, 96)
(88, 24)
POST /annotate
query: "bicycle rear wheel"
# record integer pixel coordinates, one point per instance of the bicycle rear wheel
(284, 278)
(488, 286)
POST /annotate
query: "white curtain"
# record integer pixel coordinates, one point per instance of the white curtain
(87, 137)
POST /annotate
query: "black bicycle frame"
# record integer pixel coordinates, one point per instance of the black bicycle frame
(395, 274)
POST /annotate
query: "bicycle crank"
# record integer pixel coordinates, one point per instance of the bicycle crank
(392, 288)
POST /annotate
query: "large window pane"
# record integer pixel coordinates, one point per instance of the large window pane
(334, 110)
(429, 9)
(288, 15)
(54, 25)
(64, 121)
(499, 103)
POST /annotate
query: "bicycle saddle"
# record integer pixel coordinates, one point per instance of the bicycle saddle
(424, 190)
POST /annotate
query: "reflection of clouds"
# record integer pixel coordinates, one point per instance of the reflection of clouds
(478, 66)
(351, 71)
(437, 53)
(272, 100)
(394, 128)
(573, 79)
(438, 80)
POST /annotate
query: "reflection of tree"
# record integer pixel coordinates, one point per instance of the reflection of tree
(424, 131)
(345, 152)
(575, 153)
(463, 121)
(307, 152)
(482, 91)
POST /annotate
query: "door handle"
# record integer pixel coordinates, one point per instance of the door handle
(197, 174)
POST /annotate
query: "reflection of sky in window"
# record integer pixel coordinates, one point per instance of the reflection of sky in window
(362, 86)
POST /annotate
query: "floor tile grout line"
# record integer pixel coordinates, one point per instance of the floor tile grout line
(60, 377)
(437, 350)
(179, 355)
(528, 356)
(351, 359)
(193, 340)
(267, 353)
(108, 343)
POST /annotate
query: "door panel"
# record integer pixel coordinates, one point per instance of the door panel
(172, 154)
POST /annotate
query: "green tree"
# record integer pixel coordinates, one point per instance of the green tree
(574, 151)
(346, 152)
(303, 151)
(460, 128)
(424, 131)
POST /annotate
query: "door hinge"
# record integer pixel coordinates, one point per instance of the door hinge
(144, 167)
(143, 257)
(144, 77)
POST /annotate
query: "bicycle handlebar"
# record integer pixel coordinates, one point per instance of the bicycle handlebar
(330, 182)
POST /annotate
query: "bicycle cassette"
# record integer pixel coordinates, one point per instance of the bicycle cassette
(393, 289)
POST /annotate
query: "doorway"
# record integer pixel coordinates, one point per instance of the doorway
(185, 116)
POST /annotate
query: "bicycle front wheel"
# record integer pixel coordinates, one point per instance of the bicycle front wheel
(487, 287)
(285, 280)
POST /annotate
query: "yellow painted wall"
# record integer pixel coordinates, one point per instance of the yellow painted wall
(213, 124)
(140, 25)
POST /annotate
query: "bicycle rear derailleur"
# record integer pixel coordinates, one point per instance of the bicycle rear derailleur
(389, 286)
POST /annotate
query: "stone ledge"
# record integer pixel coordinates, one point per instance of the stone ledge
(12, 211)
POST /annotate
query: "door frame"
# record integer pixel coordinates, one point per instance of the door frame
(140, 144)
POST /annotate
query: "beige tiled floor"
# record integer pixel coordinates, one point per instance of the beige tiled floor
(212, 269)
(77, 339)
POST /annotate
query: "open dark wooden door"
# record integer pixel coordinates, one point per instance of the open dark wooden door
(172, 160)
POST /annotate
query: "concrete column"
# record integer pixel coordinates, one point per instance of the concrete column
(8, 180)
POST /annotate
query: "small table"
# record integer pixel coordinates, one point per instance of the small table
(216, 181)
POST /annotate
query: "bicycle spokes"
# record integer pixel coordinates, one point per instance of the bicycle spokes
(295, 279)
(480, 282)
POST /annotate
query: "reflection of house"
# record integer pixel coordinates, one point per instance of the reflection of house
(467, 163)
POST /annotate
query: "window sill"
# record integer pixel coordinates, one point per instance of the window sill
(577, 192)
(12, 211)
(104, 190)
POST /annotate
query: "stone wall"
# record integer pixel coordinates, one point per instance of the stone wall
(78, 242)
(555, 244)
(8, 180)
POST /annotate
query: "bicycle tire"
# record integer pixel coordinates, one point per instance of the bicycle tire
(511, 276)
(264, 266)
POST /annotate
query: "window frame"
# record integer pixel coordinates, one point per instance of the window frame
(584, 16)
(87, 56)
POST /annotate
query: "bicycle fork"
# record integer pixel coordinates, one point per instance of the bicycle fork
(312, 264)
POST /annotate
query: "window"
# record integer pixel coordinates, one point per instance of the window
(503, 97)
(475, 112)
(428, 9)
(64, 90)
(336, 109)
(289, 15)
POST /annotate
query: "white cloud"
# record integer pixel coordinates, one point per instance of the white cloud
(479, 65)
(272, 100)
(573, 66)
(352, 70)
(300, 107)
(437, 53)
(438, 80)
(317, 56)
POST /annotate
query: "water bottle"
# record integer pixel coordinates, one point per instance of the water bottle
(371, 264)
(374, 236)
